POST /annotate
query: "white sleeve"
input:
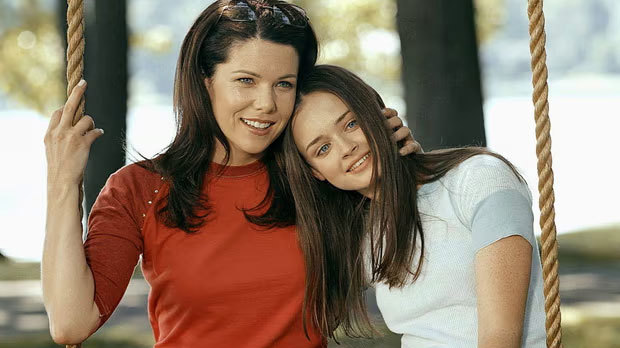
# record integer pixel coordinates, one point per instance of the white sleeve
(492, 201)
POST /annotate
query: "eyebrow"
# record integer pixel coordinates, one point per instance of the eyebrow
(257, 75)
(316, 140)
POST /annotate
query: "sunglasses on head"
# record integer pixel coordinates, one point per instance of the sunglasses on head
(283, 13)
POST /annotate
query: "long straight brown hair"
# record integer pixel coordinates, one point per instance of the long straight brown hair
(186, 160)
(348, 240)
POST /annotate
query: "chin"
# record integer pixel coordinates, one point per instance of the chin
(255, 148)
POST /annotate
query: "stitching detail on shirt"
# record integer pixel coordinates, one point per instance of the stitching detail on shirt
(149, 204)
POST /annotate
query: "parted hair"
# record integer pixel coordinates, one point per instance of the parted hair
(349, 240)
(186, 160)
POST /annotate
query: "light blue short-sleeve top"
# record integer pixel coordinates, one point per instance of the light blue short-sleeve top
(476, 204)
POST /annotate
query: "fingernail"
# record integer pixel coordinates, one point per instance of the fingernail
(82, 83)
(101, 130)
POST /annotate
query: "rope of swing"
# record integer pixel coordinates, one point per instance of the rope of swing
(540, 97)
(75, 70)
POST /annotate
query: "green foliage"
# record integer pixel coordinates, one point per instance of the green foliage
(489, 17)
(344, 26)
(31, 55)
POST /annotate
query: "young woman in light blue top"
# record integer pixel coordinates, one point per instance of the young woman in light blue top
(445, 237)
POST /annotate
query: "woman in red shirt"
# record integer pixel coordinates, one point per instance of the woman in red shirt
(211, 216)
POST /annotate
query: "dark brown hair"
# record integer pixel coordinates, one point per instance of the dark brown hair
(186, 160)
(336, 227)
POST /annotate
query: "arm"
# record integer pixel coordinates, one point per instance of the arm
(67, 281)
(491, 200)
(502, 282)
(68, 285)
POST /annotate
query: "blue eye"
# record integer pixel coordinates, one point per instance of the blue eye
(285, 84)
(245, 80)
(352, 124)
(323, 149)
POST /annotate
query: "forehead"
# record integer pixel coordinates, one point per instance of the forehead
(316, 114)
(264, 56)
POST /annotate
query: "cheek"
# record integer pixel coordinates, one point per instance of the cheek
(331, 171)
(360, 137)
(286, 104)
(225, 105)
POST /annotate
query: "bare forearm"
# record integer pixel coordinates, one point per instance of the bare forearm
(508, 338)
(502, 282)
(68, 285)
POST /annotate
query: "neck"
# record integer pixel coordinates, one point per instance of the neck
(367, 192)
(237, 157)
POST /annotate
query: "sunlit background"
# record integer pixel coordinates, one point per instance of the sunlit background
(584, 82)
(584, 78)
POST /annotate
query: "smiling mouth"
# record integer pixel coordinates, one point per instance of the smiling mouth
(257, 124)
(358, 163)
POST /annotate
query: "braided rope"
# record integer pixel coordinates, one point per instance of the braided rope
(545, 173)
(75, 69)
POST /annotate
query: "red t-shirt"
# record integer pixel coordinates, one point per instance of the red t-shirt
(232, 284)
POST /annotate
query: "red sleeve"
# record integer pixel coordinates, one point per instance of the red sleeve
(114, 242)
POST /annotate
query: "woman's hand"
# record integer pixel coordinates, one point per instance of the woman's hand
(401, 133)
(67, 146)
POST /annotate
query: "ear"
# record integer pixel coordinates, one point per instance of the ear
(317, 174)
(208, 83)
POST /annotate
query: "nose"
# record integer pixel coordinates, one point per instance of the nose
(350, 147)
(265, 100)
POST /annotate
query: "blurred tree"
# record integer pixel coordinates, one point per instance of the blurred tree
(31, 55)
(441, 72)
(361, 35)
(106, 70)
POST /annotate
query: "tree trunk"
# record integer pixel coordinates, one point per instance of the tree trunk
(106, 96)
(441, 73)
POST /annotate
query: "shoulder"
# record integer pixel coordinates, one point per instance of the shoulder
(481, 177)
(134, 181)
(134, 174)
(135, 171)
(482, 171)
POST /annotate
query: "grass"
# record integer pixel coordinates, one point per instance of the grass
(10, 270)
(591, 332)
(593, 246)
(597, 245)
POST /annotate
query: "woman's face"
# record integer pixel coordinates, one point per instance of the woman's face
(253, 95)
(328, 137)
